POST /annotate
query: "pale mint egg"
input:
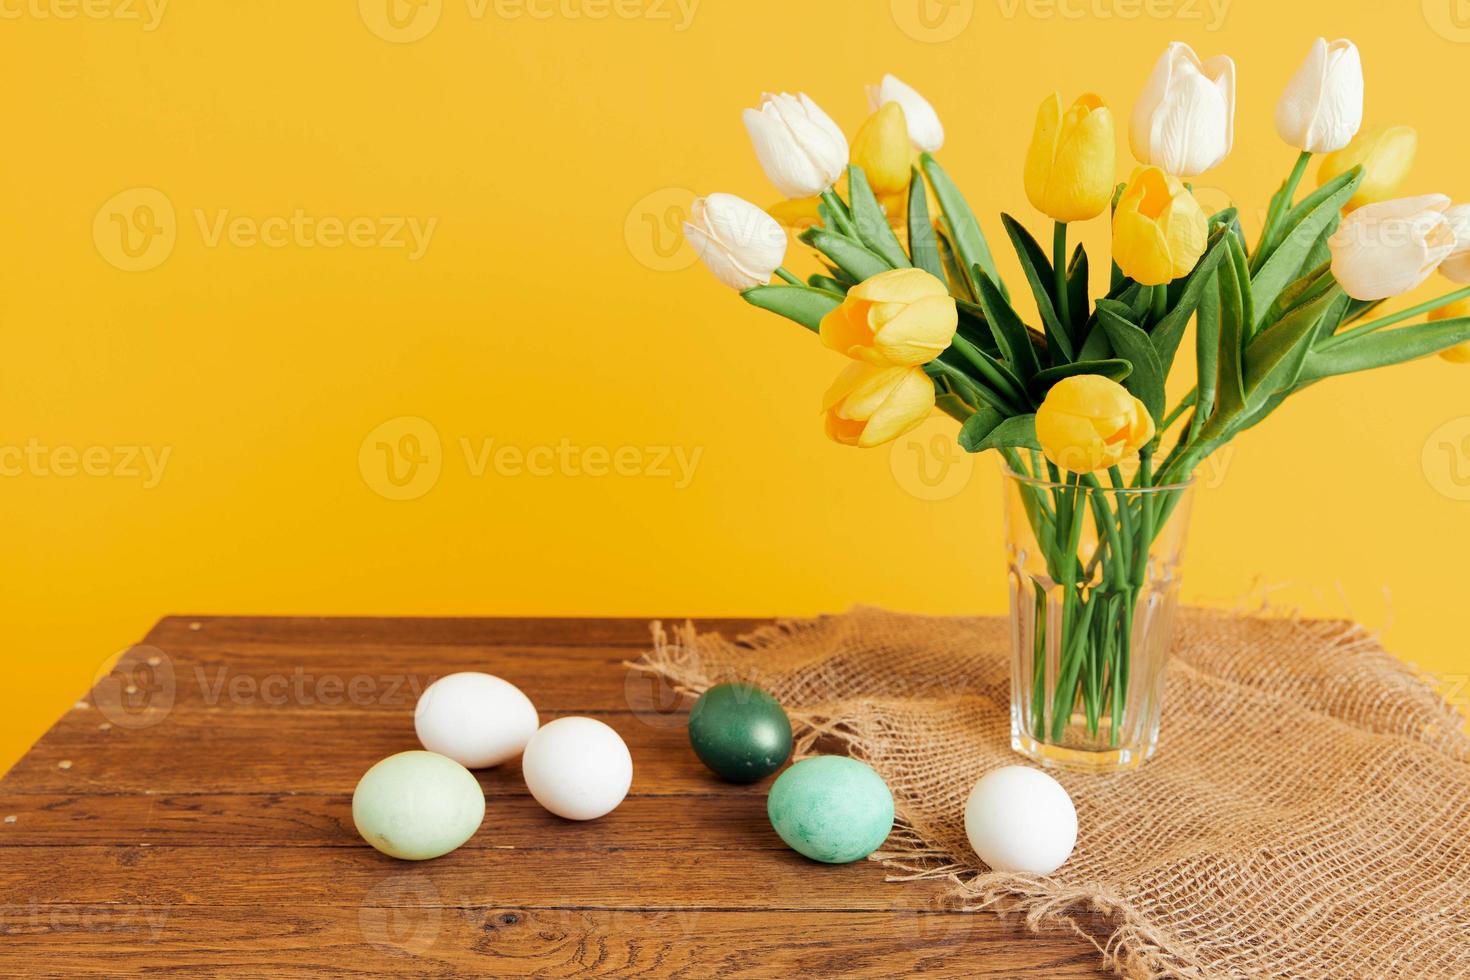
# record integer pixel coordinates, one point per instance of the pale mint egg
(417, 805)
(831, 808)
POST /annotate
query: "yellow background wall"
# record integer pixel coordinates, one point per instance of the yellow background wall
(552, 148)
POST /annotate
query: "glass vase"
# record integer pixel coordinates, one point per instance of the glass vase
(1094, 584)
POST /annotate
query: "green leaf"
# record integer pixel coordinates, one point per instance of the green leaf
(967, 238)
(1234, 323)
(1273, 359)
(1360, 308)
(1169, 331)
(1146, 381)
(803, 304)
(1042, 278)
(1078, 293)
(923, 246)
(846, 254)
(959, 280)
(1304, 226)
(1207, 349)
(1010, 333)
(1376, 350)
(1016, 431)
(1303, 290)
(978, 426)
(1114, 368)
(871, 221)
(1002, 388)
(827, 283)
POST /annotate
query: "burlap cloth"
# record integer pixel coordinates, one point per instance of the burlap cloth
(1307, 813)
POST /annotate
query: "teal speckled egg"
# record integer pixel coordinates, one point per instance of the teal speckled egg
(739, 732)
(417, 805)
(831, 808)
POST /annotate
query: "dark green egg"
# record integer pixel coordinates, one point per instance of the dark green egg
(740, 732)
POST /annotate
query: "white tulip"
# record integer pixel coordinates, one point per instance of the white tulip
(1184, 122)
(742, 245)
(1386, 249)
(799, 146)
(1456, 268)
(925, 130)
(1322, 107)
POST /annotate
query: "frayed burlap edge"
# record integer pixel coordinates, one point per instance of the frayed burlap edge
(1135, 948)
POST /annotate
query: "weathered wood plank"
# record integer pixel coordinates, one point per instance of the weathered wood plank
(409, 937)
(368, 678)
(673, 879)
(290, 750)
(314, 820)
(349, 631)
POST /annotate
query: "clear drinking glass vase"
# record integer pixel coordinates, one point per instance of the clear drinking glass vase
(1094, 583)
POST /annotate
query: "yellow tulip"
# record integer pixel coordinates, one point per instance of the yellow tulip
(1459, 354)
(1089, 422)
(1386, 153)
(1069, 167)
(1159, 229)
(883, 150)
(869, 405)
(902, 317)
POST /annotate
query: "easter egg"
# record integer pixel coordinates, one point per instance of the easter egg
(1021, 819)
(831, 808)
(477, 720)
(577, 768)
(739, 732)
(417, 805)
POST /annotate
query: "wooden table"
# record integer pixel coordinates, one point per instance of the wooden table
(193, 813)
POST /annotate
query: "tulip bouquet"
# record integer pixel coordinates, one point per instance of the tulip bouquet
(1071, 390)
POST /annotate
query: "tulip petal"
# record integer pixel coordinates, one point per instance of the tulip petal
(719, 261)
(790, 170)
(1386, 249)
(883, 151)
(1321, 108)
(1184, 121)
(899, 286)
(1080, 184)
(924, 128)
(846, 330)
(908, 403)
(919, 332)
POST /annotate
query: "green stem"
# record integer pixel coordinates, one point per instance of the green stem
(1179, 410)
(1280, 207)
(1160, 303)
(1392, 318)
(790, 277)
(1059, 268)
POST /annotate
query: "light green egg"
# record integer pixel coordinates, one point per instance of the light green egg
(417, 805)
(831, 808)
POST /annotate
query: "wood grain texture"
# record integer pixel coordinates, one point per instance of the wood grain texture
(192, 814)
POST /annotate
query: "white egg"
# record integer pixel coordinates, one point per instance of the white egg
(1020, 819)
(577, 768)
(477, 720)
